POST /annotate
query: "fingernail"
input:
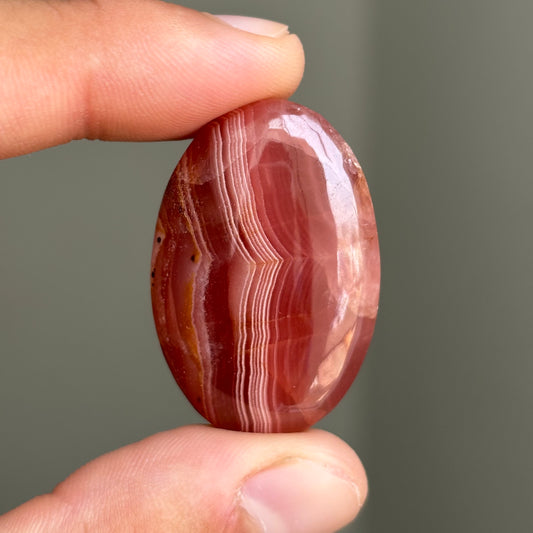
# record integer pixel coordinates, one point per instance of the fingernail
(268, 28)
(298, 496)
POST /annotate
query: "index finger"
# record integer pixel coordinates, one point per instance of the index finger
(122, 70)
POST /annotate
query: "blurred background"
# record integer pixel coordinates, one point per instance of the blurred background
(436, 100)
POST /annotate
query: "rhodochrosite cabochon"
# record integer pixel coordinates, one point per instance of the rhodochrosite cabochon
(265, 269)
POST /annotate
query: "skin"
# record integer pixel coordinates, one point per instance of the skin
(145, 70)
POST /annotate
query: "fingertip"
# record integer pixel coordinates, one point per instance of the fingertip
(294, 74)
(310, 482)
(145, 70)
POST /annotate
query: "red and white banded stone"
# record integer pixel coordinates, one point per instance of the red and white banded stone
(265, 269)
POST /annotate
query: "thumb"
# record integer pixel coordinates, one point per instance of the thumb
(198, 479)
(131, 70)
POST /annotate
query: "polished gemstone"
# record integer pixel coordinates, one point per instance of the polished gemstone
(265, 269)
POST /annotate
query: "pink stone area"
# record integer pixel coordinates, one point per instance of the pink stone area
(265, 269)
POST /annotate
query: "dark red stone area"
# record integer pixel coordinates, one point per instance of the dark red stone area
(265, 269)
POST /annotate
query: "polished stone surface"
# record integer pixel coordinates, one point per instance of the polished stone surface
(265, 269)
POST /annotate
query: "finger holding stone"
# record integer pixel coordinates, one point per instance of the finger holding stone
(198, 478)
(123, 70)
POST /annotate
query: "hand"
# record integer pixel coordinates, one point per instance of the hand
(146, 70)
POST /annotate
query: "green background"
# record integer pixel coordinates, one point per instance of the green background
(435, 98)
